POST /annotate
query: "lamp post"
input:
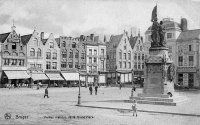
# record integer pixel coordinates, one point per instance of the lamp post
(79, 92)
(132, 84)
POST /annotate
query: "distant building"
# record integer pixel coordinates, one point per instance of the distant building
(52, 59)
(35, 56)
(138, 55)
(119, 59)
(187, 59)
(13, 59)
(73, 59)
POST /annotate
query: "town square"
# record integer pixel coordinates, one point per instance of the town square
(100, 62)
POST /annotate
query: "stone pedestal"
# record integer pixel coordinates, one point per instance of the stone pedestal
(156, 81)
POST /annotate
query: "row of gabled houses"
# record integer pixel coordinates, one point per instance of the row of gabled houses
(32, 58)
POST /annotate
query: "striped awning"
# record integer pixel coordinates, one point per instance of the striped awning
(54, 76)
(39, 76)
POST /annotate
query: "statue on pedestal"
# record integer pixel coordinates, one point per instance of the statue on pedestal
(158, 35)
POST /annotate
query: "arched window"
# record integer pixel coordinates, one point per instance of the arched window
(54, 55)
(39, 52)
(48, 54)
(32, 52)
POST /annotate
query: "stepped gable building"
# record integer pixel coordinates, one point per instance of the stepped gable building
(187, 59)
(51, 63)
(35, 56)
(73, 59)
(13, 59)
(138, 55)
(119, 59)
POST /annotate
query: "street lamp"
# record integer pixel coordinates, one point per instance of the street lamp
(132, 84)
(79, 92)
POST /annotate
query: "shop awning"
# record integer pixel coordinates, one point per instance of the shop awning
(54, 76)
(17, 74)
(71, 76)
(39, 76)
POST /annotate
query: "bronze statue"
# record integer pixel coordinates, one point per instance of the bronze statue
(158, 35)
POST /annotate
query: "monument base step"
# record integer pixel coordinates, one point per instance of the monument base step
(152, 99)
(153, 95)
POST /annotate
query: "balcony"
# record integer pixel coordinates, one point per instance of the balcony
(102, 57)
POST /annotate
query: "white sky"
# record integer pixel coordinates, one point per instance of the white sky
(76, 17)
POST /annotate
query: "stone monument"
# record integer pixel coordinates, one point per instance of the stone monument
(159, 69)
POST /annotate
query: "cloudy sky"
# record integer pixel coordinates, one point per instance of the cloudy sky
(76, 17)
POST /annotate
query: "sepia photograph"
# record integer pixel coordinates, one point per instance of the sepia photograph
(99, 62)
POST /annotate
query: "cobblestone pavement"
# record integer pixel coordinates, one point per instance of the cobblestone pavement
(27, 106)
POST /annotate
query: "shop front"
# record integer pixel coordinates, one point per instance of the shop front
(55, 79)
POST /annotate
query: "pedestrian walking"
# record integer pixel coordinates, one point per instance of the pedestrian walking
(96, 88)
(90, 89)
(46, 93)
(134, 108)
(120, 86)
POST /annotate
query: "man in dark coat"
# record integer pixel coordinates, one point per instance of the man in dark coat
(46, 93)
(96, 88)
(90, 88)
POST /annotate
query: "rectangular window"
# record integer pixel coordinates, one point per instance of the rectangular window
(83, 66)
(120, 64)
(191, 60)
(129, 56)
(142, 56)
(6, 61)
(76, 65)
(90, 51)
(64, 54)
(51, 45)
(139, 66)
(95, 52)
(48, 65)
(54, 65)
(135, 56)
(135, 65)
(170, 49)
(124, 55)
(95, 60)
(32, 65)
(102, 52)
(54, 56)
(76, 55)
(74, 45)
(70, 54)
(63, 65)
(90, 68)
(140, 48)
(95, 69)
(169, 35)
(125, 47)
(6, 47)
(82, 55)
(48, 55)
(70, 65)
(190, 48)
(129, 64)
(21, 62)
(14, 62)
(124, 64)
(120, 55)
(138, 56)
(180, 60)
(14, 46)
(39, 66)
(142, 65)
(102, 65)
(90, 60)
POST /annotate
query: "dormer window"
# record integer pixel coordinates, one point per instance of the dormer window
(14, 46)
(169, 35)
(190, 48)
(51, 45)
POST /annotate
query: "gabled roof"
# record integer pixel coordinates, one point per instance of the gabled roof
(44, 41)
(25, 38)
(189, 35)
(58, 41)
(4, 36)
(132, 41)
(116, 39)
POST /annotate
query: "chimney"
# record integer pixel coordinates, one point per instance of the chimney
(42, 36)
(184, 24)
(92, 37)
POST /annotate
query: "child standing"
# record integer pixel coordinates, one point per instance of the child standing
(134, 108)
(46, 93)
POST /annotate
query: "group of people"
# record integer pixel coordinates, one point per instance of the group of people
(95, 88)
